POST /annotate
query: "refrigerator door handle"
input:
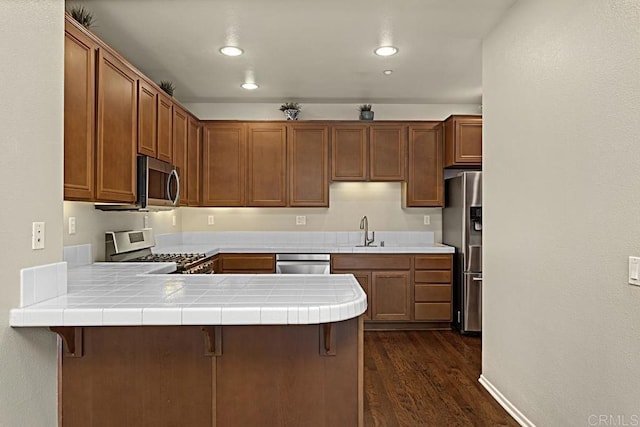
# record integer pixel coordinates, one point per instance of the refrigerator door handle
(477, 279)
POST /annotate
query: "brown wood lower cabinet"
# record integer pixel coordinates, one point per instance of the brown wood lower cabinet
(253, 376)
(391, 295)
(248, 263)
(404, 291)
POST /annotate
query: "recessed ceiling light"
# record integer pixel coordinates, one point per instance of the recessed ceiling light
(249, 86)
(387, 72)
(231, 51)
(386, 51)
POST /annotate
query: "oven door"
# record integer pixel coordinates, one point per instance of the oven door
(158, 182)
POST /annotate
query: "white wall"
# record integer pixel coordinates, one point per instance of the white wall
(265, 111)
(31, 135)
(91, 224)
(349, 201)
(561, 86)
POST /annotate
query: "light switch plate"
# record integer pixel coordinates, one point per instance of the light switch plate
(301, 220)
(427, 220)
(634, 271)
(210, 220)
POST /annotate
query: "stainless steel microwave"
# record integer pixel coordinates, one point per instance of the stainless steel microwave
(158, 187)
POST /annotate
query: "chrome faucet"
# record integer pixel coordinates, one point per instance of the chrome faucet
(364, 225)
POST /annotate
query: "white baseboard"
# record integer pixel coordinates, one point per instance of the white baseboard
(504, 402)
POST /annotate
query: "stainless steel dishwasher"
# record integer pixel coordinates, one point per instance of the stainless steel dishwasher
(303, 264)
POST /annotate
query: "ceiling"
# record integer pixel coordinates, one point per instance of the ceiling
(305, 50)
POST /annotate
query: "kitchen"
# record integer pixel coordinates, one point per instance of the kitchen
(499, 89)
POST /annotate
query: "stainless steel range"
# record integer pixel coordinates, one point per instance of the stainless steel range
(135, 246)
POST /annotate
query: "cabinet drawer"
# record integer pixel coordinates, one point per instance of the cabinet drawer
(248, 263)
(370, 262)
(433, 276)
(433, 262)
(433, 311)
(428, 293)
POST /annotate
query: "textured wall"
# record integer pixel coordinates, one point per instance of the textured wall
(91, 224)
(561, 103)
(31, 129)
(349, 201)
(257, 111)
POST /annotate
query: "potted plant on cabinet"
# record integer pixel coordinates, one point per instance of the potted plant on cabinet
(365, 112)
(291, 110)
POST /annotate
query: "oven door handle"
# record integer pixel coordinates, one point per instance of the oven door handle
(174, 201)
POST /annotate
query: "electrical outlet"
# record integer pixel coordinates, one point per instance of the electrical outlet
(173, 220)
(634, 271)
(301, 220)
(427, 220)
(37, 235)
(72, 225)
(210, 220)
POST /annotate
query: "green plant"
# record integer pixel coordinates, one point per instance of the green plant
(365, 107)
(167, 86)
(82, 15)
(290, 106)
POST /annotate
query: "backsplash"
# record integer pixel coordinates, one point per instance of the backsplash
(310, 238)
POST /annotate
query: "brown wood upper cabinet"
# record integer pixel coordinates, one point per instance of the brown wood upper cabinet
(266, 164)
(223, 164)
(194, 162)
(180, 129)
(117, 136)
(147, 119)
(349, 149)
(387, 152)
(364, 152)
(165, 128)
(79, 114)
(463, 141)
(425, 180)
(308, 165)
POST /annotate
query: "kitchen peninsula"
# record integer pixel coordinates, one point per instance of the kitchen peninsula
(141, 347)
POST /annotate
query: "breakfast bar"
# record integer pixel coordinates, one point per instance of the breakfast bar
(141, 347)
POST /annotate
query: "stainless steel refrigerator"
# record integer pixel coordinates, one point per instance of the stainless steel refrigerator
(462, 228)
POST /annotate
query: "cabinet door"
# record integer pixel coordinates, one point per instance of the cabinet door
(223, 165)
(194, 160)
(267, 165)
(147, 119)
(308, 165)
(425, 180)
(387, 152)
(349, 160)
(463, 141)
(391, 294)
(79, 114)
(117, 130)
(180, 129)
(165, 128)
(365, 282)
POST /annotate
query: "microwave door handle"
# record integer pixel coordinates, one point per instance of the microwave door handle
(177, 199)
(173, 201)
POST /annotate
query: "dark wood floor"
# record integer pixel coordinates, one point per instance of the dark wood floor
(426, 378)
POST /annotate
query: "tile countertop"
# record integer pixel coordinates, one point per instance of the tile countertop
(134, 294)
(211, 249)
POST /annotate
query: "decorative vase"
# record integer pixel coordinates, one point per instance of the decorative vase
(366, 115)
(291, 114)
